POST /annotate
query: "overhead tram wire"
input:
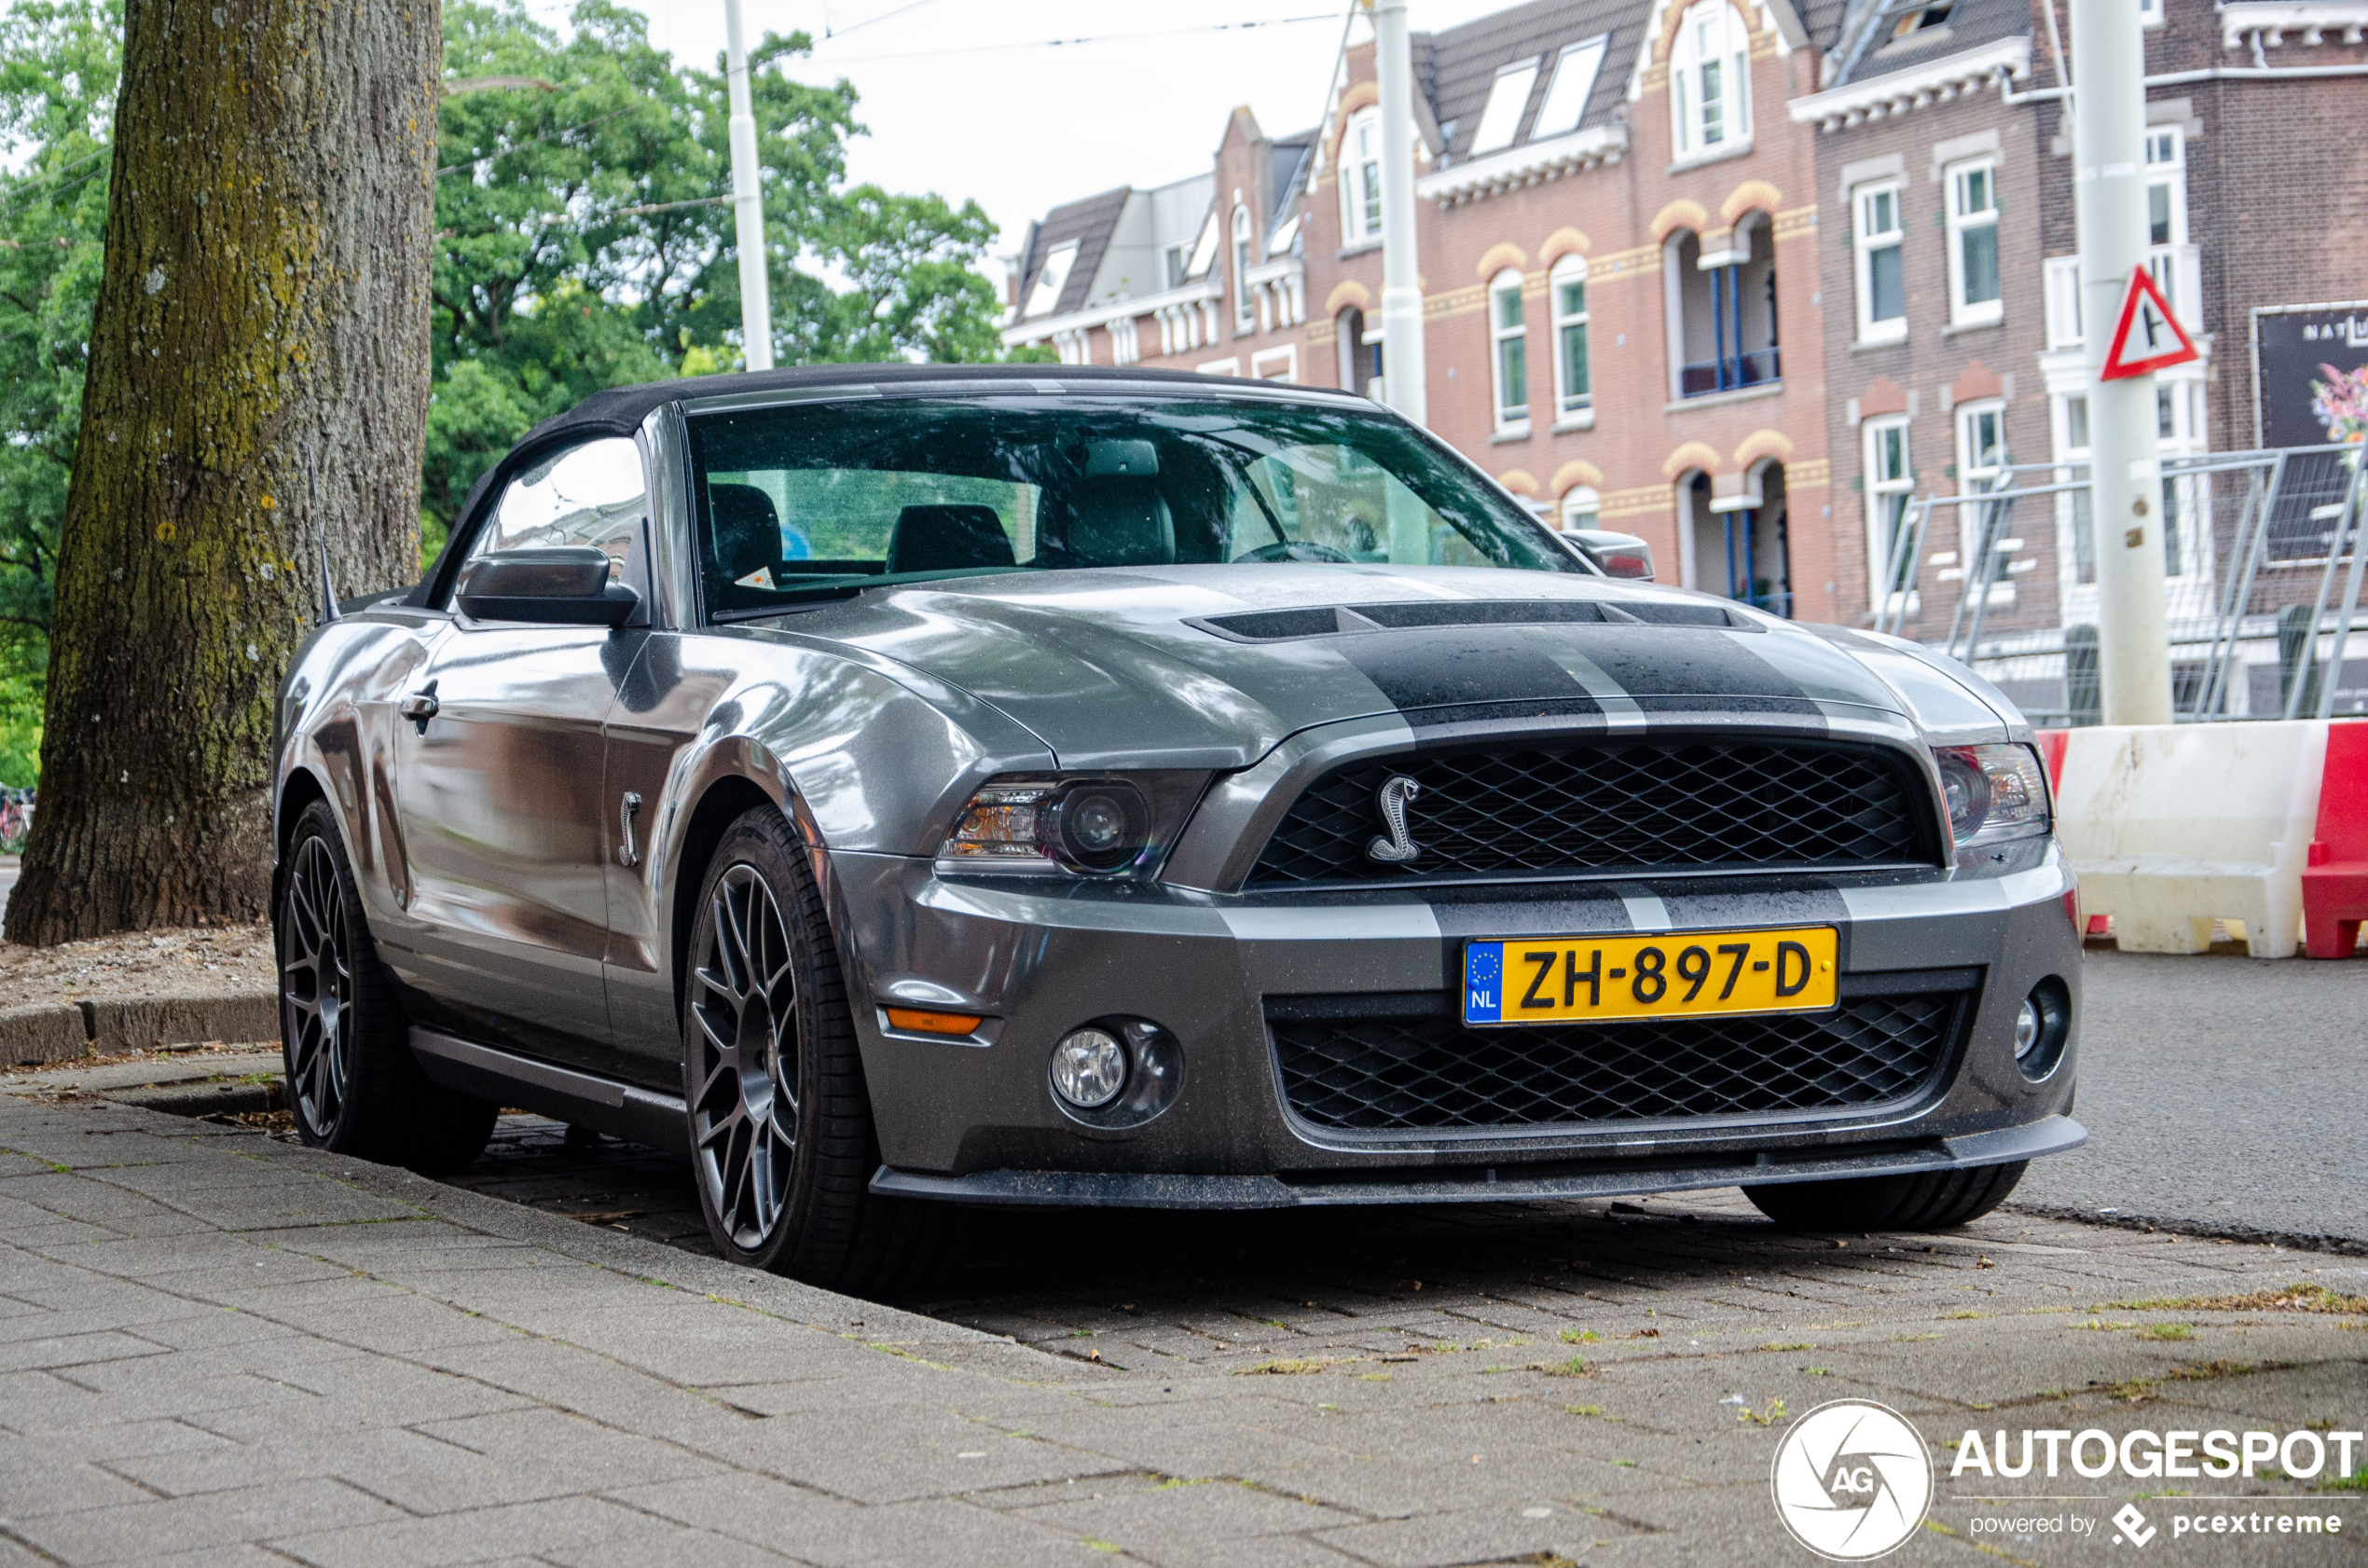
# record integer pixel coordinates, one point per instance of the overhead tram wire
(546, 136)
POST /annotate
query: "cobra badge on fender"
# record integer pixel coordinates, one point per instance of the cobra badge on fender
(1397, 793)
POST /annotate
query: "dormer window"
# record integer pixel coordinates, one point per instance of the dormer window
(1507, 99)
(1920, 18)
(1566, 96)
(1049, 279)
(1710, 81)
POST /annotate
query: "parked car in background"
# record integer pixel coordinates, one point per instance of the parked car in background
(897, 787)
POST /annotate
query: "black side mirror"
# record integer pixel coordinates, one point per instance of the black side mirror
(556, 585)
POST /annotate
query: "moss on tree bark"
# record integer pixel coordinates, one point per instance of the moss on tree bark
(259, 381)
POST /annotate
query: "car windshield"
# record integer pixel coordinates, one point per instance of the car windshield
(818, 498)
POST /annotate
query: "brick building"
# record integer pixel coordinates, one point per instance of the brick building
(1740, 276)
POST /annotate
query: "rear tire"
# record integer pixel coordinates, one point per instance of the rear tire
(1929, 1200)
(354, 1084)
(782, 1145)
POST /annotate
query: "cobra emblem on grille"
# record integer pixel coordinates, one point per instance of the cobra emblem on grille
(1397, 793)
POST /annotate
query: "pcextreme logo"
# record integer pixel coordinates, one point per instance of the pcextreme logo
(1851, 1480)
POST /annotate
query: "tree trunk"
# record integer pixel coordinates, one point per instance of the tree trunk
(259, 381)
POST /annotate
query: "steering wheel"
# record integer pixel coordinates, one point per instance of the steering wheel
(1298, 551)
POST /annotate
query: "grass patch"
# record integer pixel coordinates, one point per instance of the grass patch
(2102, 1325)
(1769, 1417)
(1585, 1410)
(1575, 1368)
(2356, 1481)
(1803, 1345)
(1959, 1318)
(1580, 1336)
(1294, 1367)
(2277, 1298)
(2166, 1331)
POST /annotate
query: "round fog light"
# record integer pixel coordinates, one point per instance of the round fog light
(1089, 1067)
(2026, 1030)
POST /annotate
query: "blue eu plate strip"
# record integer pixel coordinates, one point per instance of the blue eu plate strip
(1483, 983)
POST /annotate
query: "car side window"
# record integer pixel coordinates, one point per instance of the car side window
(591, 494)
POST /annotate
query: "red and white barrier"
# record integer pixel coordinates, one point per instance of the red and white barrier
(2335, 878)
(2169, 827)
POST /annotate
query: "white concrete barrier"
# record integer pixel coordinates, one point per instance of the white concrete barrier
(2169, 827)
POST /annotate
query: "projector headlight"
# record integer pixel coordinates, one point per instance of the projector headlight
(1994, 794)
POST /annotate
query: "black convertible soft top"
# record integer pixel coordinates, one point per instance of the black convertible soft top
(620, 410)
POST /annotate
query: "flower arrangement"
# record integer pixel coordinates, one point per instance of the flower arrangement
(2341, 404)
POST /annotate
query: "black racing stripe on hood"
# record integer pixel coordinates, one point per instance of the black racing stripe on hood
(1452, 668)
(1702, 703)
(1424, 719)
(1683, 662)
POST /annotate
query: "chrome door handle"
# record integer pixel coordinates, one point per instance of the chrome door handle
(421, 706)
(626, 855)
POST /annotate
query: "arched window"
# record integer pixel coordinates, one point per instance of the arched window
(1710, 80)
(1567, 289)
(1349, 346)
(1245, 306)
(1361, 178)
(1580, 508)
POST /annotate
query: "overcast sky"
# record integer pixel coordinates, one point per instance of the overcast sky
(969, 99)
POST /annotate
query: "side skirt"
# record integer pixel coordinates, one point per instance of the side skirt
(621, 1110)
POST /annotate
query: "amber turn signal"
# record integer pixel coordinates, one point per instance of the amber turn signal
(922, 1023)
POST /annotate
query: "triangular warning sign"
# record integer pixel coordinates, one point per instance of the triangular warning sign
(2148, 337)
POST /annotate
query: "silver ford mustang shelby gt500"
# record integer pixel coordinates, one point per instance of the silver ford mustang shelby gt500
(900, 787)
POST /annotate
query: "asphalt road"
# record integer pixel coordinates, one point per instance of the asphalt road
(2222, 1096)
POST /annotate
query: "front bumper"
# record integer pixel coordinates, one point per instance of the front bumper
(976, 1119)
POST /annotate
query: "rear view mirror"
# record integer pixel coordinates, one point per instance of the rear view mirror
(556, 585)
(1615, 555)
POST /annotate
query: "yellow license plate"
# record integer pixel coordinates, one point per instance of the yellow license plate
(1564, 980)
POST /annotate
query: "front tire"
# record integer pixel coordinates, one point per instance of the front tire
(1928, 1200)
(354, 1085)
(780, 1122)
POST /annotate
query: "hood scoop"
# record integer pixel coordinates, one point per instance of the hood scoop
(1291, 625)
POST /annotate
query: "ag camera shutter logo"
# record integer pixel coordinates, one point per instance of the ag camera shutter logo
(1851, 1480)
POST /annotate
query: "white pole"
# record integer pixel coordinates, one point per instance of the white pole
(748, 201)
(1402, 379)
(2109, 132)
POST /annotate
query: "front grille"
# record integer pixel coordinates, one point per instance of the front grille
(1425, 1071)
(1639, 806)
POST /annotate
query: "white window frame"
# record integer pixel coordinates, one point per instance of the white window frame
(1884, 490)
(1508, 418)
(1864, 243)
(1582, 507)
(1508, 99)
(1231, 366)
(1981, 462)
(2061, 275)
(1361, 178)
(1964, 221)
(1570, 409)
(1566, 96)
(1243, 253)
(2072, 457)
(1263, 364)
(1713, 46)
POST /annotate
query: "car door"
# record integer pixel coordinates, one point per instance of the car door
(500, 783)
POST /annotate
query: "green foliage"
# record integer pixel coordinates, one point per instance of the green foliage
(580, 244)
(58, 62)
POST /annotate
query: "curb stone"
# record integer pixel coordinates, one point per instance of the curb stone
(42, 1032)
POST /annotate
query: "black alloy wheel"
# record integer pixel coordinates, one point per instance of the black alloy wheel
(780, 1119)
(354, 1084)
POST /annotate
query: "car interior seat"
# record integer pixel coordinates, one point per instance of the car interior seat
(748, 531)
(1113, 513)
(947, 538)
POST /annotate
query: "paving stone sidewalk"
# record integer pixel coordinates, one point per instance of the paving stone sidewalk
(216, 1347)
